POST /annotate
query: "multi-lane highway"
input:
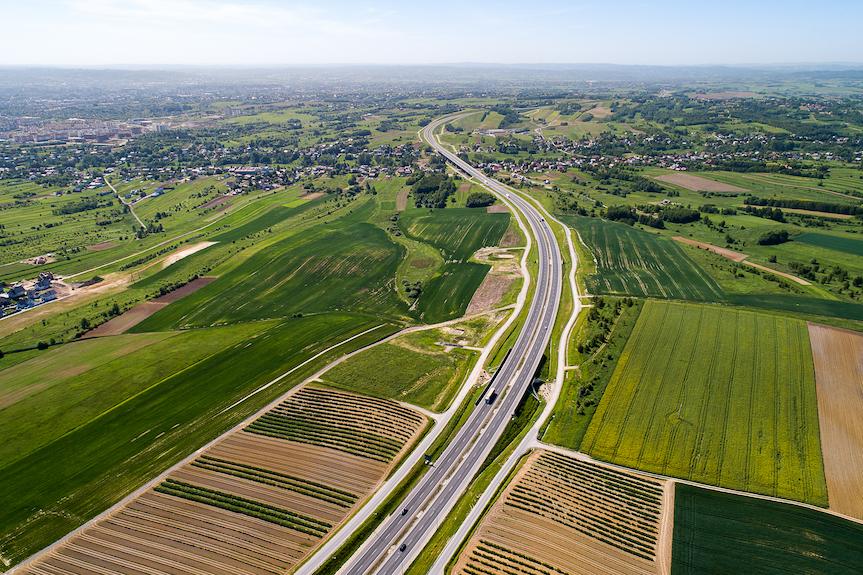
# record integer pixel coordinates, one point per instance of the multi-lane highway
(402, 535)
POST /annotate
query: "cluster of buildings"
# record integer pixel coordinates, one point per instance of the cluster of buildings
(32, 130)
(24, 295)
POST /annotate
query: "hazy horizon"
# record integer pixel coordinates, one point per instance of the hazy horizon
(267, 33)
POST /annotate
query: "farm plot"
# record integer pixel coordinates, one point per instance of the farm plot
(254, 502)
(832, 242)
(716, 395)
(142, 311)
(561, 515)
(458, 233)
(717, 533)
(112, 441)
(632, 262)
(838, 356)
(331, 268)
(407, 369)
(699, 184)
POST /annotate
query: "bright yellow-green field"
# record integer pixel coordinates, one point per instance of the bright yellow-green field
(718, 395)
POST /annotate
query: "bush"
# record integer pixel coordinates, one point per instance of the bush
(480, 199)
(774, 237)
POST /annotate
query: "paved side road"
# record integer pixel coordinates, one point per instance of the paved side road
(402, 536)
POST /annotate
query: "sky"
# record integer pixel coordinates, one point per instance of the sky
(309, 32)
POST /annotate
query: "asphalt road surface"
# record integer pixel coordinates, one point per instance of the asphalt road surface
(403, 534)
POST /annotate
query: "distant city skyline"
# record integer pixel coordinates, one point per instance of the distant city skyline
(274, 33)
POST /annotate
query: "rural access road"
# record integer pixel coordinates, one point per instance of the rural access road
(401, 537)
(124, 202)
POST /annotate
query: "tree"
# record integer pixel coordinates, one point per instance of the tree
(85, 324)
(480, 199)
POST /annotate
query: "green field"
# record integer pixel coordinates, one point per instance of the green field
(716, 395)
(457, 233)
(632, 262)
(61, 389)
(74, 476)
(412, 368)
(832, 242)
(583, 387)
(718, 533)
(346, 267)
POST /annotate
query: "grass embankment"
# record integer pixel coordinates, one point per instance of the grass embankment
(716, 395)
(597, 342)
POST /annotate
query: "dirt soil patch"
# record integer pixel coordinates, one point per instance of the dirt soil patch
(137, 314)
(600, 112)
(564, 515)
(127, 320)
(312, 195)
(402, 200)
(101, 246)
(511, 238)
(187, 289)
(185, 252)
(490, 292)
(497, 209)
(698, 184)
(218, 201)
(829, 215)
(838, 356)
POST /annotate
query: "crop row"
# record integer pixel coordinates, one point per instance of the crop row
(267, 477)
(346, 440)
(613, 489)
(645, 488)
(374, 412)
(593, 526)
(590, 501)
(521, 562)
(357, 419)
(270, 513)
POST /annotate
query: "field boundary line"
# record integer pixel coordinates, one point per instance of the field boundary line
(538, 444)
(298, 366)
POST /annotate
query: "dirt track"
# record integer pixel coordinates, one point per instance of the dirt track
(739, 257)
(838, 356)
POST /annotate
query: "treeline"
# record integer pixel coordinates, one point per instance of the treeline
(769, 213)
(630, 217)
(83, 205)
(815, 206)
(480, 199)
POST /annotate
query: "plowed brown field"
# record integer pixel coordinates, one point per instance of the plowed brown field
(253, 503)
(838, 356)
(566, 516)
